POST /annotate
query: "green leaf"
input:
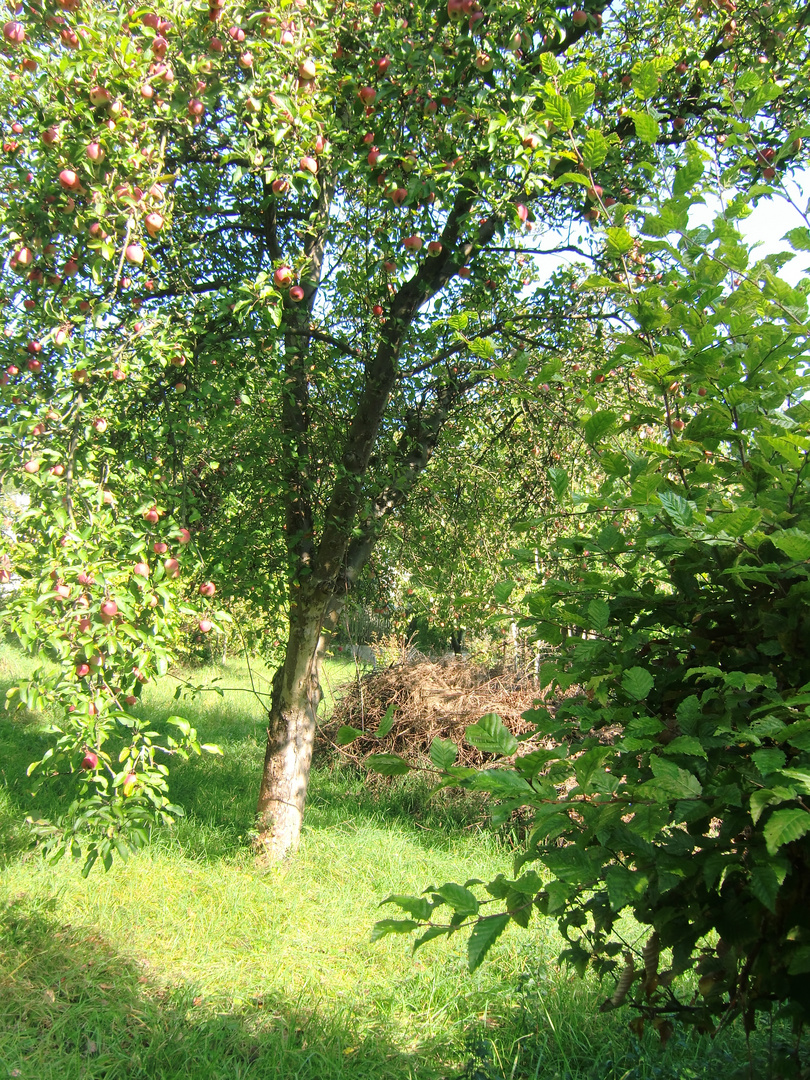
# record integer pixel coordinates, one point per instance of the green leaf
(793, 542)
(785, 826)
(418, 906)
(558, 111)
(347, 734)
(484, 933)
(598, 615)
(558, 479)
(387, 722)
(799, 238)
(672, 781)
(598, 425)
(679, 510)
(645, 79)
(392, 926)
(594, 149)
(646, 126)
(491, 736)
(765, 885)
(388, 764)
(443, 753)
(624, 886)
(619, 241)
(637, 682)
(461, 900)
(581, 98)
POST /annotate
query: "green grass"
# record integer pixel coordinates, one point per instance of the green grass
(191, 962)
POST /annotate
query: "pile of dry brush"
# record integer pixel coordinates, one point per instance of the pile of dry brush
(431, 698)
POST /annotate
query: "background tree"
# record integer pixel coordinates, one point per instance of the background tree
(290, 236)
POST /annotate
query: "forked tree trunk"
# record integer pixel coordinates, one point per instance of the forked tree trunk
(291, 734)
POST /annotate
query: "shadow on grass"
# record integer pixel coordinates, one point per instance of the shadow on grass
(218, 794)
(71, 1007)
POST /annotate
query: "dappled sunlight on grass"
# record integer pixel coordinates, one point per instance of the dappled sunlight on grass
(191, 961)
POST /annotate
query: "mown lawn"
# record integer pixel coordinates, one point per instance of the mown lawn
(189, 961)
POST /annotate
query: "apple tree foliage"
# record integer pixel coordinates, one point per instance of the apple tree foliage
(256, 257)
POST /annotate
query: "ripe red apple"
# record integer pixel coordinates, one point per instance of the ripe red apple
(434, 247)
(31, 467)
(280, 186)
(377, 309)
(57, 470)
(35, 365)
(412, 243)
(130, 700)
(702, 391)
(296, 294)
(383, 64)
(532, 142)
(119, 375)
(455, 10)
(183, 536)
(483, 61)
(100, 424)
(522, 212)
(464, 271)
(769, 173)
(172, 568)
(68, 179)
(215, 45)
(23, 257)
(206, 626)
(141, 569)
(134, 254)
(82, 670)
(196, 107)
(579, 18)
(108, 608)
(100, 96)
(152, 515)
(14, 33)
(283, 277)
(678, 424)
(309, 164)
(307, 70)
(367, 94)
(399, 195)
(389, 266)
(208, 588)
(70, 269)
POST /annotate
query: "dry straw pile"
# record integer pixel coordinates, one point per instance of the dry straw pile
(431, 699)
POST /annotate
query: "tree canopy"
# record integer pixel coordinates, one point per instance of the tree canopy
(259, 258)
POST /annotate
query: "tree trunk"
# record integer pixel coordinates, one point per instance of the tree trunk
(291, 733)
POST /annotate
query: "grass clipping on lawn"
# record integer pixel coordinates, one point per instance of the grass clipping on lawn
(432, 699)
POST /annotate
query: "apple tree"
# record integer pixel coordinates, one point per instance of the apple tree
(256, 259)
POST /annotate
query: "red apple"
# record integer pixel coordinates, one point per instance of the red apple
(183, 536)
(141, 569)
(82, 670)
(296, 294)
(309, 164)
(464, 271)
(14, 33)
(579, 18)
(208, 588)
(412, 243)
(134, 254)
(68, 179)
(280, 186)
(35, 365)
(152, 515)
(196, 107)
(31, 467)
(206, 626)
(283, 277)
(399, 195)
(172, 568)
(367, 94)
(130, 700)
(108, 608)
